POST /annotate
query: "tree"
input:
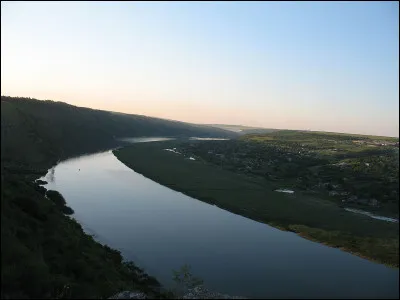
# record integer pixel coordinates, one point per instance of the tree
(185, 280)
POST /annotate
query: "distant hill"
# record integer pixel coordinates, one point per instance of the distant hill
(34, 130)
(241, 129)
(285, 134)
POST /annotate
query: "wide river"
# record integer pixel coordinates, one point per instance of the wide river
(161, 230)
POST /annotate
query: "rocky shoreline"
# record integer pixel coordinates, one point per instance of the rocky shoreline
(198, 292)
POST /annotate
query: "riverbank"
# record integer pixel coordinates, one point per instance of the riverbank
(47, 254)
(310, 217)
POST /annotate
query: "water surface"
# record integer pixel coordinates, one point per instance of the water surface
(208, 139)
(144, 139)
(161, 229)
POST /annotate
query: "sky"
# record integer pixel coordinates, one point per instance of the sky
(329, 66)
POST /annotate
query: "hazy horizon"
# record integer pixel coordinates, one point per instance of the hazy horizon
(210, 124)
(326, 66)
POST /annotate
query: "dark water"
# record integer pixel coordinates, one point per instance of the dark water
(160, 230)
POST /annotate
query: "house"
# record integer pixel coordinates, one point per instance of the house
(374, 202)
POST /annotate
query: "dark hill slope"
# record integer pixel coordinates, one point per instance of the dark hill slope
(34, 131)
(45, 254)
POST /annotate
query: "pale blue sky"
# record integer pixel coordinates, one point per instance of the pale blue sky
(330, 66)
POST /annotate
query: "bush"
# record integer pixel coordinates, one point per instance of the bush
(67, 210)
(56, 197)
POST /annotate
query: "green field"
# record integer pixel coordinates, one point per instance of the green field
(251, 196)
(350, 170)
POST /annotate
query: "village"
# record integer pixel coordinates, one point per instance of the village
(360, 172)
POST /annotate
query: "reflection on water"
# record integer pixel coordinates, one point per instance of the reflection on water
(50, 175)
(145, 139)
(208, 139)
(162, 230)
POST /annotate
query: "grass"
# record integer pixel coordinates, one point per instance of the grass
(311, 217)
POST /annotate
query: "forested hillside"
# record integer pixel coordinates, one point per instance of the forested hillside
(44, 253)
(57, 130)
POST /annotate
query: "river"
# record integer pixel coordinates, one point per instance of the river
(161, 230)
